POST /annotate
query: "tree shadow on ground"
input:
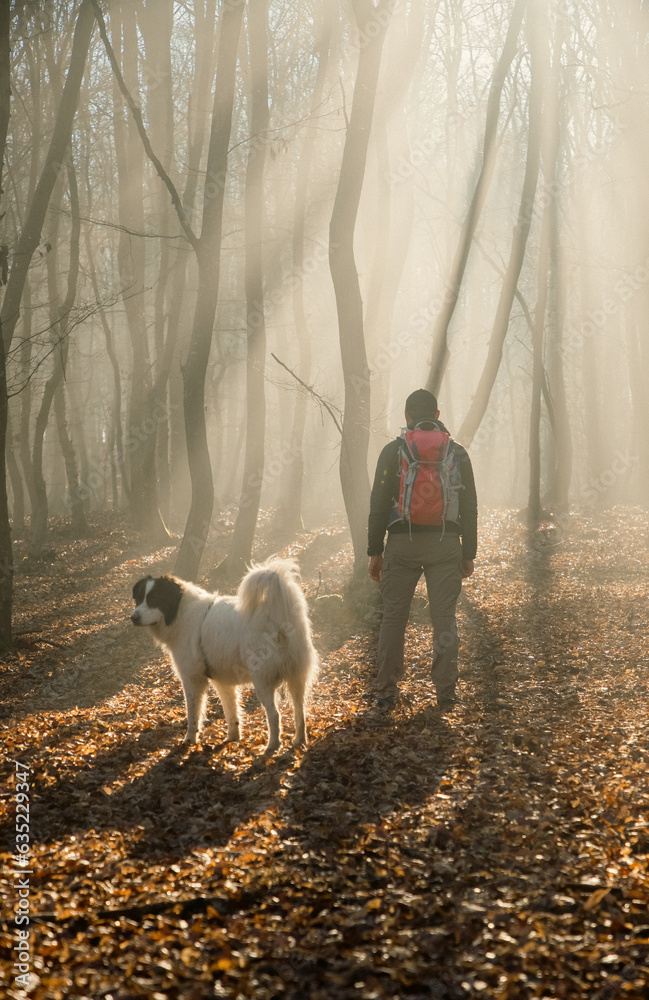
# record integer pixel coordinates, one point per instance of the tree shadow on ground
(193, 797)
(353, 778)
(81, 676)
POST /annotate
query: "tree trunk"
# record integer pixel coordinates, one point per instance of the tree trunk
(440, 352)
(208, 254)
(550, 289)
(198, 117)
(290, 516)
(25, 356)
(538, 373)
(59, 319)
(397, 204)
(79, 524)
(117, 437)
(638, 378)
(356, 417)
(550, 145)
(480, 402)
(156, 20)
(131, 259)
(17, 490)
(253, 467)
(73, 501)
(561, 469)
(6, 554)
(207, 249)
(77, 407)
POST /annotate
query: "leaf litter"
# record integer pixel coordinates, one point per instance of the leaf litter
(501, 850)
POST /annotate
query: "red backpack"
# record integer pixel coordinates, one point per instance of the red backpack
(430, 477)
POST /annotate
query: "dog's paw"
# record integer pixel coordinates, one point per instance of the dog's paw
(298, 741)
(271, 748)
(190, 738)
(233, 735)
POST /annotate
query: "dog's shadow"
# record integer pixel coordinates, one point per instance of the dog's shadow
(197, 796)
(348, 780)
(191, 796)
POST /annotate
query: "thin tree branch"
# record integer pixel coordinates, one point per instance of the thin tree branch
(312, 392)
(545, 385)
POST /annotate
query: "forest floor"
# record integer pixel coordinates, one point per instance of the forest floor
(501, 850)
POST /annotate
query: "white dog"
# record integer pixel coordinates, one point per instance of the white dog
(262, 636)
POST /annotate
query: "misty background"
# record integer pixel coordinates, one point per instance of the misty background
(236, 235)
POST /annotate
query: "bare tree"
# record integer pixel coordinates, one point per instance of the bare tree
(54, 164)
(291, 502)
(395, 209)
(371, 22)
(440, 352)
(131, 259)
(60, 333)
(156, 22)
(517, 252)
(208, 250)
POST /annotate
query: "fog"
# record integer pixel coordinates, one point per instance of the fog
(307, 171)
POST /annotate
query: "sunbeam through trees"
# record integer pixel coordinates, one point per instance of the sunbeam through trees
(235, 236)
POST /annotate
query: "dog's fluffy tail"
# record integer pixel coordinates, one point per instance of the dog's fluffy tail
(272, 589)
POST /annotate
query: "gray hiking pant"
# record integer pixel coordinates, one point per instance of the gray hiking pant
(405, 559)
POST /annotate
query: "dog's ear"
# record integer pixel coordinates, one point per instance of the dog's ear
(140, 588)
(165, 594)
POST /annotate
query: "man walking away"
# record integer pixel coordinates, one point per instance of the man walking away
(424, 497)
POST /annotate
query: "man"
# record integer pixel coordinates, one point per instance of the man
(443, 552)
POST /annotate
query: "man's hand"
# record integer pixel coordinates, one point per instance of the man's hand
(376, 568)
(467, 568)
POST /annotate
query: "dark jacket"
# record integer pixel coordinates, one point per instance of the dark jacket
(385, 496)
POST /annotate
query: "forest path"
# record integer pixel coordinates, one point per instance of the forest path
(500, 850)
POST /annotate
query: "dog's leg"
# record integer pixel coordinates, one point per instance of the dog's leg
(296, 687)
(265, 691)
(194, 689)
(230, 700)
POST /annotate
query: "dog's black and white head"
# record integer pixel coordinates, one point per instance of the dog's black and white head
(157, 600)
